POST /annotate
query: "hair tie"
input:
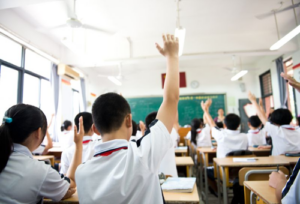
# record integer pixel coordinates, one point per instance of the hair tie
(7, 119)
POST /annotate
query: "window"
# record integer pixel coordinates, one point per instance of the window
(10, 51)
(266, 90)
(76, 103)
(8, 88)
(46, 98)
(37, 64)
(31, 93)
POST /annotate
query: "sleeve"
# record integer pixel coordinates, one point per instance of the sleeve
(290, 193)
(54, 186)
(249, 138)
(153, 146)
(64, 162)
(271, 129)
(217, 133)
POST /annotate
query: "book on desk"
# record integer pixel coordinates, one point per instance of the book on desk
(180, 185)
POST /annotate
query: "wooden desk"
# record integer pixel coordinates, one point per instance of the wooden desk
(45, 158)
(206, 153)
(291, 160)
(185, 161)
(55, 151)
(261, 189)
(181, 150)
(171, 197)
(225, 163)
(72, 200)
(260, 152)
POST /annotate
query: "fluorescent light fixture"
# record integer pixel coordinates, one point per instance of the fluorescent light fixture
(114, 80)
(22, 42)
(239, 75)
(286, 38)
(180, 34)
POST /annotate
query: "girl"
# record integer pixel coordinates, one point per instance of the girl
(200, 134)
(24, 179)
(66, 137)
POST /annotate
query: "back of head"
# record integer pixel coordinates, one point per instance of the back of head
(195, 124)
(134, 128)
(281, 116)
(87, 121)
(232, 121)
(109, 111)
(150, 117)
(66, 124)
(220, 124)
(25, 119)
(254, 121)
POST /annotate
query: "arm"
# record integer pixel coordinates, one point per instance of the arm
(260, 113)
(291, 81)
(176, 124)
(77, 158)
(205, 107)
(167, 111)
(49, 144)
(51, 120)
(277, 180)
(142, 127)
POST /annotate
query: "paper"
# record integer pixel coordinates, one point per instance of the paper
(244, 159)
(185, 147)
(179, 184)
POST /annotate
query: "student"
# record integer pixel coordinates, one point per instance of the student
(256, 135)
(200, 134)
(134, 130)
(168, 163)
(66, 137)
(141, 128)
(87, 144)
(127, 172)
(285, 138)
(24, 179)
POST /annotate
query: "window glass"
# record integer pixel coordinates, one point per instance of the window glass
(31, 89)
(8, 88)
(47, 105)
(10, 51)
(76, 103)
(37, 64)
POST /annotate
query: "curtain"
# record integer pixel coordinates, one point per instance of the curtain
(83, 93)
(281, 82)
(55, 84)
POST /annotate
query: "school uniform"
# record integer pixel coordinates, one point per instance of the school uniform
(229, 140)
(133, 138)
(285, 138)
(203, 137)
(125, 172)
(290, 193)
(66, 139)
(138, 134)
(188, 136)
(256, 137)
(175, 137)
(27, 180)
(87, 153)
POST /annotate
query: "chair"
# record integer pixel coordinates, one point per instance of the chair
(182, 133)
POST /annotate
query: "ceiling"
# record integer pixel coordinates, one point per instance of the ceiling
(214, 29)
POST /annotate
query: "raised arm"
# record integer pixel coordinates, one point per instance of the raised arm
(168, 108)
(291, 81)
(49, 144)
(205, 107)
(260, 113)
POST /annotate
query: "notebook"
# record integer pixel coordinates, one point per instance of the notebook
(179, 185)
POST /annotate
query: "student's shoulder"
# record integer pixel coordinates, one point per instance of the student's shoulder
(157, 126)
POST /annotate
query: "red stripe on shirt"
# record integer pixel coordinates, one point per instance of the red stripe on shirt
(110, 152)
(86, 141)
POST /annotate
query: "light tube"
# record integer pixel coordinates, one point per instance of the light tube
(239, 75)
(180, 34)
(286, 38)
(114, 80)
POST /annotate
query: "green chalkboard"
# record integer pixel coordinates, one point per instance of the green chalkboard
(188, 107)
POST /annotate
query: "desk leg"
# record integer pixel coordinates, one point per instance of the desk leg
(225, 200)
(218, 183)
(52, 161)
(188, 171)
(205, 161)
(247, 195)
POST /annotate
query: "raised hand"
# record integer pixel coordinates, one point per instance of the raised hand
(251, 97)
(171, 46)
(78, 135)
(291, 81)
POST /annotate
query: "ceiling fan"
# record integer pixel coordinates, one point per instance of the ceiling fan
(236, 72)
(74, 22)
(232, 69)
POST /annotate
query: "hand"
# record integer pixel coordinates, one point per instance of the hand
(171, 46)
(208, 103)
(142, 126)
(203, 106)
(251, 97)
(261, 103)
(78, 136)
(52, 115)
(275, 178)
(291, 81)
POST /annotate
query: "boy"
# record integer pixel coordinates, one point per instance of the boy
(256, 135)
(87, 144)
(127, 172)
(285, 138)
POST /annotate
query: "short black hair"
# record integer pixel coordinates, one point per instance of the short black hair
(65, 125)
(220, 124)
(254, 121)
(134, 128)
(87, 121)
(232, 121)
(109, 111)
(150, 117)
(281, 116)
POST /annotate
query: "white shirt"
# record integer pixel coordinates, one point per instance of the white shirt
(256, 137)
(175, 137)
(285, 138)
(138, 134)
(87, 153)
(203, 137)
(26, 180)
(66, 139)
(125, 172)
(188, 136)
(229, 140)
(290, 193)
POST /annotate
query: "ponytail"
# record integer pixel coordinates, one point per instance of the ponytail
(23, 120)
(194, 126)
(65, 125)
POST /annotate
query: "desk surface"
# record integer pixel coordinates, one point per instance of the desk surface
(55, 149)
(206, 150)
(43, 157)
(252, 149)
(181, 149)
(291, 160)
(184, 161)
(263, 190)
(261, 161)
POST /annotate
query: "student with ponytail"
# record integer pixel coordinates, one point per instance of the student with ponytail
(24, 179)
(200, 133)
(66, 137)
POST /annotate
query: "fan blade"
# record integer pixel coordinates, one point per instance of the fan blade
(97, 29)
(262, 16)
(69, 4)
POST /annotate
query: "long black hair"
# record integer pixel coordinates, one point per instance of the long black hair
(65, 125)
(25, 120)
(195, 124)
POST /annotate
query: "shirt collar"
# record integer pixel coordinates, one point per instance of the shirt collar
(289, 127)
(110, 145)
(233, 132)
(85, 138)
(254, 131)
(22, 149)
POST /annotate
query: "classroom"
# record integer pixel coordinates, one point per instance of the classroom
(86, 86)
